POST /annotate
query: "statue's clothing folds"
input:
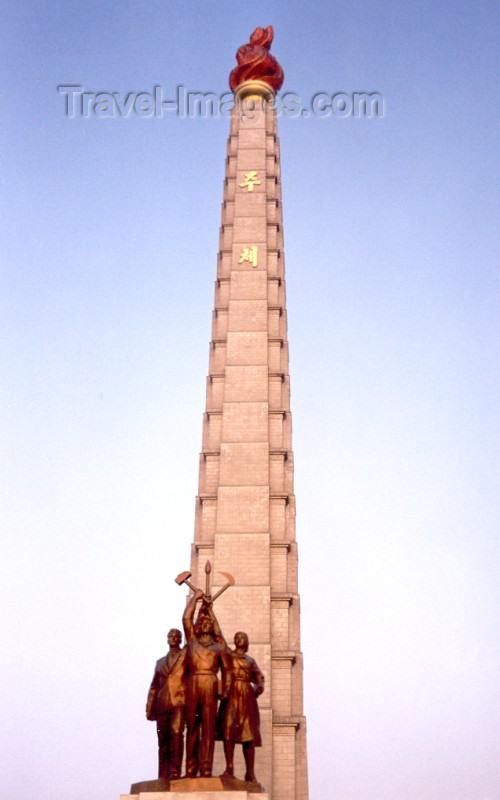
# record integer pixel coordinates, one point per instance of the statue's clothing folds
(167, 687)
(165, 704)
(203, 662)
(239, 719)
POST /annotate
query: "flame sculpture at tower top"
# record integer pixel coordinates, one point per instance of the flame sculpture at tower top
(255, 62)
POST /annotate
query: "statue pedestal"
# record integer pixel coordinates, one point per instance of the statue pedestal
(196, 789)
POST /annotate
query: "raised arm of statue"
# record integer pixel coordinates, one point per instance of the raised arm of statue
(187, 617)
(218, 636)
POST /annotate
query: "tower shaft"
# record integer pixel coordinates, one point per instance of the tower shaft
(245, 509)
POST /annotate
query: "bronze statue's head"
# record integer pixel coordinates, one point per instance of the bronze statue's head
(204, 625)
(174, 637)
(241, 640)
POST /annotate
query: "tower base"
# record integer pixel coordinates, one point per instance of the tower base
(196, 789)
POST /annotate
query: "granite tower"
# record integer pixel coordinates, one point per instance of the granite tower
(245, 508)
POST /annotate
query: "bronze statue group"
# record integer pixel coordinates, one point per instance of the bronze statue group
(186, 692)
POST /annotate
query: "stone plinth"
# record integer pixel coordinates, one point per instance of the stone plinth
(195, 796)
(196, 789)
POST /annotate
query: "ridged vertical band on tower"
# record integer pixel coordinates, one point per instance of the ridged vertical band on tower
(245, 509)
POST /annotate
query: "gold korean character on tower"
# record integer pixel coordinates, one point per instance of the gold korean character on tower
(249, 254)
(251, 180)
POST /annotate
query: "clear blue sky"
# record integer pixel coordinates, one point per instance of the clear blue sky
(109, 242)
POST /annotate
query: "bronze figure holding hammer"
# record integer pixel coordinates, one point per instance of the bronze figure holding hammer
(207, 654)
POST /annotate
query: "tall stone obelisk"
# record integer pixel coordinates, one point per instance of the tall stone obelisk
(245, 509)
